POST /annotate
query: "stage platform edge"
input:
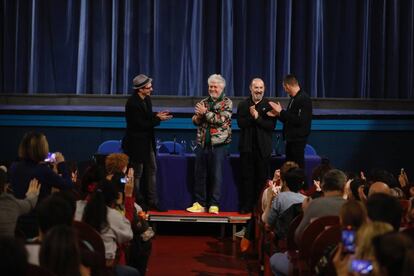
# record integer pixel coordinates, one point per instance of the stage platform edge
(224, 218)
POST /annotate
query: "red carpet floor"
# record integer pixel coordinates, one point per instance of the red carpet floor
(197, 255)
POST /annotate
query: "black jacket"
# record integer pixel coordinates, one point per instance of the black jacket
(255, 133)
(297, 118)
(139, 139)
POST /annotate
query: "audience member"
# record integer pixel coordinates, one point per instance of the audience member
(11, 208)
(52, 211)
(33, 150)
(114, 228)
(13, 257)
(394, 253)
(354, 187)
(60, 254)
(385, 208)
(379, 187)
(330, 204)
(333, 184)
(288, 203)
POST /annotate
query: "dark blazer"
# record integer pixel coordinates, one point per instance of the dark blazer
(139, 139)
(297, 118)
(255, 133)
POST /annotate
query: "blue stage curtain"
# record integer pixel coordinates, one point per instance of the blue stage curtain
(338, 49)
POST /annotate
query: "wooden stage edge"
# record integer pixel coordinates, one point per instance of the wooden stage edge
(233, 218)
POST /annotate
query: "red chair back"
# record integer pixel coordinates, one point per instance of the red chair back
(90, 237)
(331, 236)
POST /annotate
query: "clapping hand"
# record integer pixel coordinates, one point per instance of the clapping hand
(200, 109)
(164, 115)
(254, 112)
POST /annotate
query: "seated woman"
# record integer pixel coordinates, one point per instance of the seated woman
(140, 248)
(99, 212)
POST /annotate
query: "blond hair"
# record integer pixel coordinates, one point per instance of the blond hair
(365, 235)
(34, 147)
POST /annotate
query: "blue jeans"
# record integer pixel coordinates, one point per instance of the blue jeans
(208, 167)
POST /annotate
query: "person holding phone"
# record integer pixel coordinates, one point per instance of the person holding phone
(33, 150)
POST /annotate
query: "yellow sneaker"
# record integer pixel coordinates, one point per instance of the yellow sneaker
(196, 208)
(213, 210)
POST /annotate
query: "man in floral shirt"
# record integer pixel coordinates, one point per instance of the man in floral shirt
(213, 120)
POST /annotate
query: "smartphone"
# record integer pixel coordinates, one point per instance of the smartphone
(361, 266)
(348, 240)
(402, 171)
(124, 180)
(51, 157)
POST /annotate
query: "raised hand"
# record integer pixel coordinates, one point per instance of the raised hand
(34, 188)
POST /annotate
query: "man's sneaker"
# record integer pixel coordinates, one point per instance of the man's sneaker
(196, 208)
(241, 233)
(213, 210)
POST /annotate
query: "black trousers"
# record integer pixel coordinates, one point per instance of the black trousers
(295, 151)
(255, 173)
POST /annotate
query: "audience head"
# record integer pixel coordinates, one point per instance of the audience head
(91, 178)
(3, 180)
(365, 235)
(59, 252)
(285, 167)
(116, 163)
(34, 147)
(354, 185)
(394, 253)
(13, 257)
(53, 211)
(319, 171)
(380, 175)
(333, 180)
(379, 187)
(294, 179)
(353, 213)
(95, 213)
(385, 208)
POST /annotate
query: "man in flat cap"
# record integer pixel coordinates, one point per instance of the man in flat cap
(139, 141)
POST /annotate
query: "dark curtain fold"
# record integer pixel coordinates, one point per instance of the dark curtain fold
(338, 49)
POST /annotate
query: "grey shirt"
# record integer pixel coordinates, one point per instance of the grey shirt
(320, 207)
(10, 210)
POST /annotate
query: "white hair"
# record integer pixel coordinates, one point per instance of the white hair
(217, 78)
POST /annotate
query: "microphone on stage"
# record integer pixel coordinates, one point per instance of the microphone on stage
(277, 145)
(175, 141)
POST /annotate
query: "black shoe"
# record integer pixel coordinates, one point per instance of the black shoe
(157, 208)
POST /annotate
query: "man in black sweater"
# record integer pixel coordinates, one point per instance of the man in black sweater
(255, 144)
(296, 119)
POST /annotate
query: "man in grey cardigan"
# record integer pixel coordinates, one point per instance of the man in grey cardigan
(333, 184)
(11, 208)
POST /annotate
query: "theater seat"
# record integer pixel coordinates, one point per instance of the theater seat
(168, 147)
(110, 146)
(309, 150)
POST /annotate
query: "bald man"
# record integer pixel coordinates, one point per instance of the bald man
(379, 187)
(255, 144)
